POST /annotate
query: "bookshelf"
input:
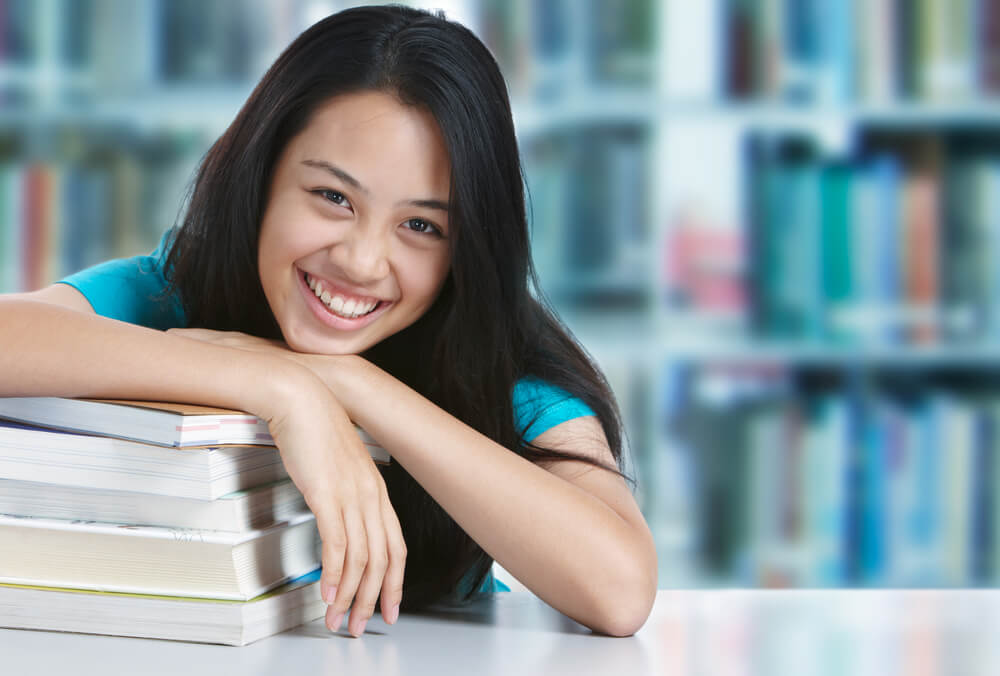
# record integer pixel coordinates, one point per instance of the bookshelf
(651, 134)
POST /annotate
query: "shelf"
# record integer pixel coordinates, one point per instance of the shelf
(637, 337)
(606, 106)
(585, 107)
(208, 107)
(915, 113)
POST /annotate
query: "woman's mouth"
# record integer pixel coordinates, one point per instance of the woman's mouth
(342, 306)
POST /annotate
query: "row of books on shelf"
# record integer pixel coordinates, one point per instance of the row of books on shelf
(878, 249)
(151, 520)
(587, 204)
(872, 50)
(138, 42)
(545, 45)
(58, 218)
(827, 492)
(547, 48)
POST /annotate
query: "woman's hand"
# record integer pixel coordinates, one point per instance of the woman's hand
(363, 549)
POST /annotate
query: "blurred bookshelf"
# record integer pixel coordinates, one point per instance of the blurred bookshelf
(774, 224)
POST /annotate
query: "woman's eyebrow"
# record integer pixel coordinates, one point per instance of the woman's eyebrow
(440, 205)
(338, 172)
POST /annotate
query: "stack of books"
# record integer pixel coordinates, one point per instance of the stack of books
(153, 520)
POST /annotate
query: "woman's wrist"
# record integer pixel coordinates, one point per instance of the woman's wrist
(269, 384)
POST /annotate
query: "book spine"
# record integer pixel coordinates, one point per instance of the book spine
(988, 23)
(981, 546)
(922, 251)
(956, 504)
(872, 555)
(835, 234)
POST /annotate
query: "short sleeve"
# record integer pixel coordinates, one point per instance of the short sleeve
(539, 406)
(132, 290)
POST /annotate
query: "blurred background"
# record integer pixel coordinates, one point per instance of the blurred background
(774, 223)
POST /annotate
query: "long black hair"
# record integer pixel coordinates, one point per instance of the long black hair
(487, 329)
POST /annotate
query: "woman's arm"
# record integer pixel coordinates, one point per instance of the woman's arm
(572, 533)
(54, 345)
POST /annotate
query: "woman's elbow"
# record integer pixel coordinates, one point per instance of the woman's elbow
(626, 606)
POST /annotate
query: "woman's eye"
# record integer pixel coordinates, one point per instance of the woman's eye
(420, 225)
(333, 196)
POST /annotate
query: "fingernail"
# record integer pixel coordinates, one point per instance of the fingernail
(361, 629)
(331, 595)
(394, 614)
(337, 622)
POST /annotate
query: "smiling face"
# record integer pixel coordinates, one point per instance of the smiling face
(354, 242)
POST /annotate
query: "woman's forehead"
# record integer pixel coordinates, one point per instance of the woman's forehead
(378, 141)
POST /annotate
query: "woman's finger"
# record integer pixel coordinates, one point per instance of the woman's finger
(334, 548)
(392, 583)
(355, 562)
(378, 560)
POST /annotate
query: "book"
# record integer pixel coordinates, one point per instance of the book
(239, 511)
(159, 561)
(162, 617)
(160, 423)
(70, 459)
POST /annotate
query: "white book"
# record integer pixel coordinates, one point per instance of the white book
(257, 507)
(159, 561)
(160, 423)
(162, 617)
(204, 473)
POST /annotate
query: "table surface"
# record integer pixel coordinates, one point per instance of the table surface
(836, 632)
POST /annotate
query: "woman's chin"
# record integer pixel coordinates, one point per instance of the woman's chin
(323, 345)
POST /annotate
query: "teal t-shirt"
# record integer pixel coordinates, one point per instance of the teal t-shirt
(133, 290)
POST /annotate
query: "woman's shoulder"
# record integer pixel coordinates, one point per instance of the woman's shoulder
(133, 290)
(540, 405)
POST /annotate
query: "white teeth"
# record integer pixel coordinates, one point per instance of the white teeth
(350, 309)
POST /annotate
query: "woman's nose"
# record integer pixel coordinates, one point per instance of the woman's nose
(364, 253)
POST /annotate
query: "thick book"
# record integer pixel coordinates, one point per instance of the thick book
(162, 617)
(240, 511)
(204, 473)
(159, 561)
(160, 423)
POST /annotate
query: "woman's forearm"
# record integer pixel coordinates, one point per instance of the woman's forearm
(49, 350)
(571, 548)
(53, 351)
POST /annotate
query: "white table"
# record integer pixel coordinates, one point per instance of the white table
(787, 633)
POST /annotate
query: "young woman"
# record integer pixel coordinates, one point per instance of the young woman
(356, 249)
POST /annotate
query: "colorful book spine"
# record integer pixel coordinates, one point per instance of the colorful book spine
(825, 481)
(838, 289)
(921, 252)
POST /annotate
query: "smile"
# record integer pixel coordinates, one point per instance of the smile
(340, 305)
